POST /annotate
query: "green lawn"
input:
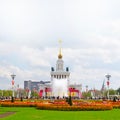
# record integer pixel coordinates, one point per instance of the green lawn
(34, 114)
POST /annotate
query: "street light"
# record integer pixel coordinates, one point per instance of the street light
(13, 77)
(108, 83)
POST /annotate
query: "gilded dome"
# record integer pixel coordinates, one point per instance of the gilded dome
(60, 56)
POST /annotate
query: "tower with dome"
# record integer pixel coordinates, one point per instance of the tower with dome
(60, 77)
(59, 83)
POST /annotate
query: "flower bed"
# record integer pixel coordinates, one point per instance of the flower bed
(74, 108)
(18, 104)
(62, 105)
(116, 104)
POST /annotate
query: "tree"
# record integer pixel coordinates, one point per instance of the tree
(86, 94)
(111, 92)
(34, 94)
(6, 93)
(118, 90)
(1, 93)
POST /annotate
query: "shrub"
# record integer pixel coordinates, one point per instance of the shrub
(12, 100)
(70, 101)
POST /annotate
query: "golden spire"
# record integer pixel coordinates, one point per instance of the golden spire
(60, 54)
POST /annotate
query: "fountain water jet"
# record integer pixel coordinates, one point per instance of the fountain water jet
(60, 88)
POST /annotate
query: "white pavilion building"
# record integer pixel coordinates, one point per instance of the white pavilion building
(59, 86)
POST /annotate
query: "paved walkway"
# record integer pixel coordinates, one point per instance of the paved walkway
(6, 114)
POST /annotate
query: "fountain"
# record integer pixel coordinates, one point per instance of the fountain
(60, 88)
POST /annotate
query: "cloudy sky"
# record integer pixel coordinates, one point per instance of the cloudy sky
(90, 34)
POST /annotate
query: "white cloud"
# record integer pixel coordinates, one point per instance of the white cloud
(90, 31)
(35, 56)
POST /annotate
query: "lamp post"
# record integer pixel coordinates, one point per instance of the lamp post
(13, 77)
(108, 83)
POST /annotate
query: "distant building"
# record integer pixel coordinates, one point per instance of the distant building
(31, 85)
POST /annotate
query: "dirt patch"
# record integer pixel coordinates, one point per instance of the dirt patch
(6, 114)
